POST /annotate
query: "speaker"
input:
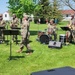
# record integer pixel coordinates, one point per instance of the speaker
(55, 44)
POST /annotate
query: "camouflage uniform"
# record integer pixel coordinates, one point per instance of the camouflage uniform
(52, 29)
(14, 24)
(2, 24)
(25, 33)
(71, 34)
(73, 29)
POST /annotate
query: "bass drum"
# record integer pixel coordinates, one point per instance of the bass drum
(44, 39)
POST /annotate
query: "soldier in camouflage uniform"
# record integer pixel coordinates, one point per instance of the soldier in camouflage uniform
(71, 34)
(52, 29)
(73, 27)
(25, 34)
(2, 24)
(14, 24)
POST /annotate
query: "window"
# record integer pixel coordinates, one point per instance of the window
(5, 15)
(67, 15)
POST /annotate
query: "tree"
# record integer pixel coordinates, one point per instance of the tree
(48, 9)
(56, 14)
(69, 3)
(43, 10)
(28, 6)
(15, 7)
(21, 6)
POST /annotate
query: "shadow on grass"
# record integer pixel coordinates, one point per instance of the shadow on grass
(28, 51)
(15, 57)
(72, 42)
(33, 32)
(30, 41)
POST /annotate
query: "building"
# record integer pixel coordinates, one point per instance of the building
(6, 16)
(67, 14)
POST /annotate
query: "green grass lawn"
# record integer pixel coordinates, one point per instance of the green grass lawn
(42, 58)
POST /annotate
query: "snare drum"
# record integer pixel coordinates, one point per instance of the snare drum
(62, 38)
(40, 33)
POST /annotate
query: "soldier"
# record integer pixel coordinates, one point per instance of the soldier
(52, 29)
(71, 34)
(14, 24)
(25, 34)
(2, 24)
(72, 24)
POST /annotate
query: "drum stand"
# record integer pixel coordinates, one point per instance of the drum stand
(65, 29)
(7, 37)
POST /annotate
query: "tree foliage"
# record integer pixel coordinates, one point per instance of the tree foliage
(56, 14)
(44, 10)
(15, 7)
(48, 9)
(28, 6)
(21, 6)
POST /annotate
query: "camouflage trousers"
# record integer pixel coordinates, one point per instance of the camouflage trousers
(73, 35)
(25, 42)
(70, 36)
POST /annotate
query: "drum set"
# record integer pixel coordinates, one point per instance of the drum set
(45, 38)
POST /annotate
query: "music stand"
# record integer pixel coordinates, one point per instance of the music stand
(2, 27)
(16, 28)
(65, 28)
(11, 32)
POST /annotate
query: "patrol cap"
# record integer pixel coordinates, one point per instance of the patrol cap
(14, 14)
(25, 15)
(52, 20)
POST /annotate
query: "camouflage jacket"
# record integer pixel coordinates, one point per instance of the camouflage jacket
(2, 23)
(14, 23)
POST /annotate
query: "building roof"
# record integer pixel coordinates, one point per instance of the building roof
(68, 12)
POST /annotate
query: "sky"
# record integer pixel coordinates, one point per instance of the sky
(3, 6)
